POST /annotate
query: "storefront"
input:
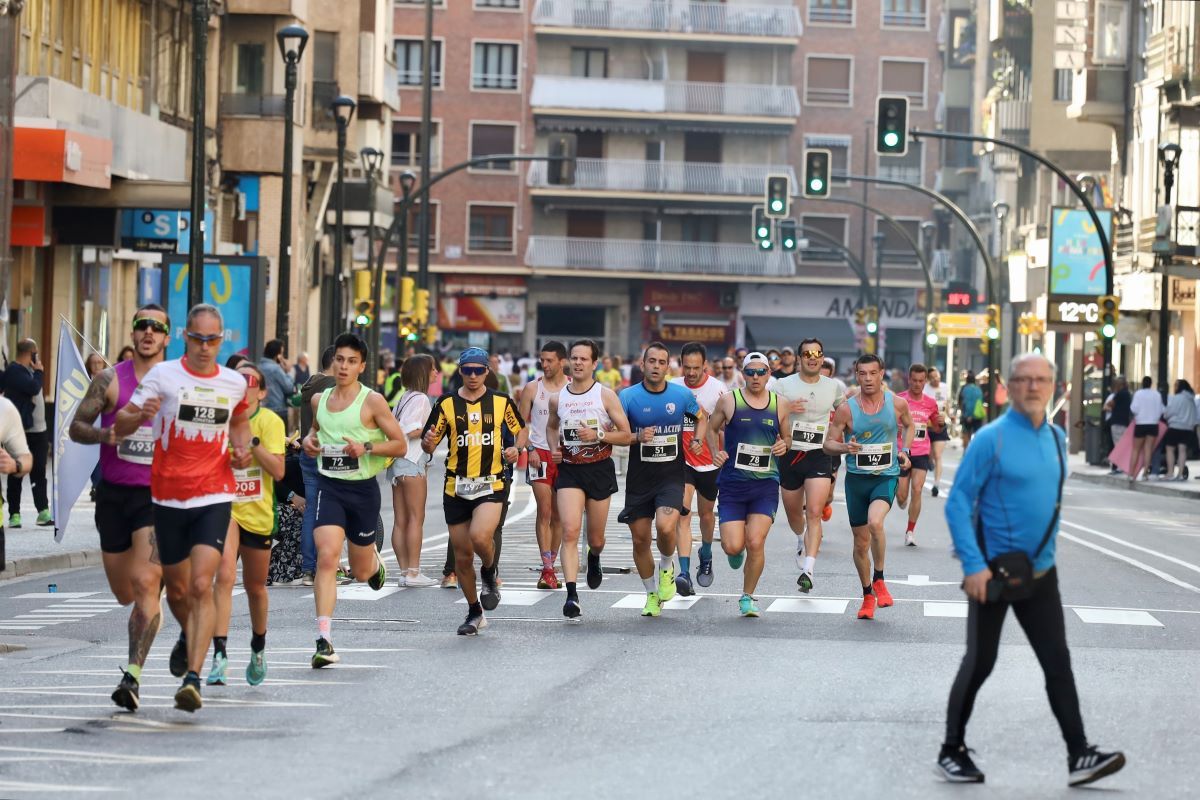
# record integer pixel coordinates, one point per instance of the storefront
(485, 311)
(678, 313)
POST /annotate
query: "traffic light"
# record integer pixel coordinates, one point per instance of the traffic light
(561, 170)
(872, 316)
(364, 313)
(762, 229)
(992, 331)
(431, 335)
(891, 126)
(421, 307)
(778, 196)
(816, 172)
(787, 235)
(931, 329)
(407, 286)
(860, 316)
(1110, 312)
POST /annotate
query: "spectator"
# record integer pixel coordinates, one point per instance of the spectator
(1147, 409)
(15, 459)
(393, 388)
(301, 373)
(23, 385)
(1180, 416)
(235, 360)
(408, 475)
(608, 375)
(94, 364)
(275, 368)
(502, 384)
(126, 354)
(1117, 413)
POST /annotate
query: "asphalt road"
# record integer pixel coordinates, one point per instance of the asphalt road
(805, 700)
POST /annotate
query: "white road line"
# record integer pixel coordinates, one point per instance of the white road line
(53, 595)
(54, 788)
(1105, 617)
(1131, 561)
(108, 756)
(1139, 548)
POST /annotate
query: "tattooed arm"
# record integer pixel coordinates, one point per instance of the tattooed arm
(97, 400)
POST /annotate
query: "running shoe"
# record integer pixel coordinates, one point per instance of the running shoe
(344, 576)
(909, 539)
(867, 609)
(747, 606)
(216, 674)
(377, 580)
(419, 581)
(473, 624)
(450, 581)
(179, 658)
(489, 593)
(256, 670)
(805, 582)
(402, 581)
(683, 585)
(14, 521)
(735, 561)
(548, 580)
(666, 583)
(571, 609)
(704, 573)
(595, 575)
(126, 693)
(955, 765)
(934, 492)
(800, 551)
(306, 579)
(653, 605)
(187, 698)
(882, 593)
(324, 655)
(827, 513)
(1092, 765)
(44, 518)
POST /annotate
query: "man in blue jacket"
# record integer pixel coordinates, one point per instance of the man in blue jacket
(1007, 493)
(23, 385)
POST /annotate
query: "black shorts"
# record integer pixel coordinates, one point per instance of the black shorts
(597, 481)
(939, 436)
(352, 506)
(254, 541)
(917, 462)
(178, 530)
(121, 510)
(704, 482)
(1178, 436)
(1143, 431)
(644, 505)
(972, 424)
(459, 511)
(797, 466)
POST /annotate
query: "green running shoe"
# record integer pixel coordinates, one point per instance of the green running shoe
(653, 606)
(735, 561)
(216, 675)
(44, 517)
(666, 584)
(14, 521)
(324, 655)
(747, 606)
(256, 670)
(377, 580)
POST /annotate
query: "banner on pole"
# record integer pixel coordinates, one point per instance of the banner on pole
(73, 463)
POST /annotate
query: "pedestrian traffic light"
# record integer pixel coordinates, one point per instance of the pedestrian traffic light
(364, 313)
(787, 235)
(992, 329)
(761, 230)
(560, 171)
(407, 286)
(931, 329)
(421, 306)
(891, 126)
(431, 335)
(779, 196)
(816, 171)
(872, 317)
(1110, 312)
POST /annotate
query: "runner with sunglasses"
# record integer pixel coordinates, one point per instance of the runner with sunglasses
(250, 531)
(806, 472)
(700, 475)
(124, 510)
(201, 434)
(926, 421)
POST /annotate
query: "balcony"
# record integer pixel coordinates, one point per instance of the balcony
(825, 13)
(750, 103)
(1012, 120)
(706, 182)
(252, 105)
(1098, 95)
(1170, 55)
(702, 21)
(671, 258)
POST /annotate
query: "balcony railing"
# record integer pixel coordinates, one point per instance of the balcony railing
(671, 177)
(670, 17)
(634, 255)
(1012, 117)
(646, 96)
(899, 255)
(252, 105)
(900, 172)
(904, 19)
(825, 14)
(827, 96)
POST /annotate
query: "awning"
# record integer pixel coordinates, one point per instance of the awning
(766, 332)
(54, 155)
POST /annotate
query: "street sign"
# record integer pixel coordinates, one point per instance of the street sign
(964, 326)
(1073, 312)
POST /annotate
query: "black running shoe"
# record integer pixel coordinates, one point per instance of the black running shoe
(1092, 765)
(595, 576)
(187, 698)
(571, 609)
(179, 658)
(955, 765)
(126, 693)
(489, 593)
(324, 655)
(805, 582)
(935, 491)
(473, 624)
(683, 585)
(377, 580)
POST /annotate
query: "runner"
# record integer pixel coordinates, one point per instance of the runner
(472, 421)
(251, 531)
(806, 471)
(926, 420)
(201, 432)
(940, 392)
(753, 421)
(657, 412)
(700, 474)
(543, 472)
(124, 514)
(591, 421)
(353, 437)
(871, 420)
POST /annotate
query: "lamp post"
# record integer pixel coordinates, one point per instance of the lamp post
(200, 14)
(1000, 210)
(292, 40)
(372, 160)
(408, 181)
(343, 112)
(928, 232)
(1168, 156)
(878, 239)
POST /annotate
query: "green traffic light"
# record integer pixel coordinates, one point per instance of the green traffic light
(763, 231)
(363, 320)
(788, 244)
(816, 184)
(872, 327)
(931, 338)
(777, 205)
(1108, 330)
(891, 138)
(993, 333)
(765, 244)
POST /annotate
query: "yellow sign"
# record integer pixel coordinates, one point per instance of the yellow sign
(967, 326)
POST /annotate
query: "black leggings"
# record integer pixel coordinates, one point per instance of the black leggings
(1041, 617)
(497, 537)
(39, 447)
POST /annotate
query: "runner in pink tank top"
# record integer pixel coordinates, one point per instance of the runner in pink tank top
(926, 420)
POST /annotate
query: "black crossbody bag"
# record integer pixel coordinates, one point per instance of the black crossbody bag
(1012, 572)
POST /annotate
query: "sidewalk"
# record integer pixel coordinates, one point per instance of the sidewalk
(1081, 470)
(32, 548)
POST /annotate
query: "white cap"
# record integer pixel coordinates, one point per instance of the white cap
(754, 356)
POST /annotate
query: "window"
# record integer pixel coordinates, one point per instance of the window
(904, 13)
(249, 78)
(831, 12)
(1112, 32)
(406, 144)
(414, 230)
(827, 81)
(408, 61)
(491, 229)
(906, 168)
(325, 87)
(958, 154)
(489, 139)
(839, 151)
(819, 248)
(896, 249)
(962, 39)
(495, 66)
(487, 4)
(1064, 80)
(419, 3)
(904, 78)
(589, 62)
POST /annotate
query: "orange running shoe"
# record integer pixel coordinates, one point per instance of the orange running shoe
(881, 591)
(827, 514)
(548, 580)
(867, 610)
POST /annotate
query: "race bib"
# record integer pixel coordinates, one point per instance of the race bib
(473, 488)
(335, 459)
(572, 427)
(204, 409)
(753, 457)
(660, 449)
(138, 447)
(920, 426)
(874, 456)
(249, 484)
(808, 435)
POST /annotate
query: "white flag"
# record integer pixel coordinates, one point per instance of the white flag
(73, 463)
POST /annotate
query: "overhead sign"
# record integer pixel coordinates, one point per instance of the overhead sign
(963, 326)
(161, 231)
(486, 314)
(1076, 257)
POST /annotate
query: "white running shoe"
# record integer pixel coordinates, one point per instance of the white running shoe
(419, 581)
(909, 539)
(800, 552)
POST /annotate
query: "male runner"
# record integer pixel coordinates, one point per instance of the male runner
(700, 474)
(354, 437)
(201, 432)
(542, 473)
(657, 412)
(756, 434)
(124, 513)
(473, 420)
(591, 421)
(806, 471)
(940, 392)
(926, 420)
(871, 419)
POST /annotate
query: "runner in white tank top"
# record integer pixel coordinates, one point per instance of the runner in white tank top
(542, 473)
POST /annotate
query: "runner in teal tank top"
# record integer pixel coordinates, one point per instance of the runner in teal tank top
(866, 429)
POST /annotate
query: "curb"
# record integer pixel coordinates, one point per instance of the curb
(1146, 487)
(20, 567)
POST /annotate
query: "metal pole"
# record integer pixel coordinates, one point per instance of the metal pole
(8, 74)
(426, 146)
(877, 240)
(1164, 299)
(283, 321)
(862, 242)
(339, 229)
(200, 14)
(376, 268)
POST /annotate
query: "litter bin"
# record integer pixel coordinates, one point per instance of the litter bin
(1093, 443)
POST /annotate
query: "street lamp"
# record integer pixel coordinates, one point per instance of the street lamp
(292, 40)
(878, 239)
(1168, 156)
(201, 10)
(372, 160)
(343, 112)
(408, 181)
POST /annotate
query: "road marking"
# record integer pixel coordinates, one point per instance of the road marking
(1132, 561)
(109, 756)
(638, 601)
(53, 595)
(809, 605)
(517, 597)
(361, 592)
(53, 788)
(1107, 617)
(921, 580)
(1178, 561)
(945, 609)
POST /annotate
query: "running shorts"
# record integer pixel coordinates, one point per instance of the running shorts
(178, 530)
(121, 510)
(705, 482)
(254, 541)
(549, 467)
(459, 511)
(740, 499)
(863, 490)
(644, 505)
(939, 436)
(352, 506)
(797, 466)
(597, 481)
(918, 462)
(972, 424)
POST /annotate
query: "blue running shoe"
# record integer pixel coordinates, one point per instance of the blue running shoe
(747, 606)
(256, 670)
(216, 675)
(704, 573)
(735, 561)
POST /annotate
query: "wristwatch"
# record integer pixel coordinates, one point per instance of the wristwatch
(367, 447)
(600, 435)
(530, 448)
(255, 442)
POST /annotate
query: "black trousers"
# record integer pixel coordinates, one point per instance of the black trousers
(1041, 617)
(497, 536)
(39, 446)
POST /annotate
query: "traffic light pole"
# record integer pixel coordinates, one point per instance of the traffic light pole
(860, 269)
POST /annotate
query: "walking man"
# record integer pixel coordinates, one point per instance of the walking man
(24, 384)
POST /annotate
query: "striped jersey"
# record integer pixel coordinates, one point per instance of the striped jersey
(473, 430)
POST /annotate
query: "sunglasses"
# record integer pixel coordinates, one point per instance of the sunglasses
(755, 373)
(812, 354)
(251, 380)
(202, 339)
(145, 323)
(472, 372)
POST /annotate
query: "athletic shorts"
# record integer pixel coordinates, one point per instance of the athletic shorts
(121, 510)
(352, 506)
(1178, 436)
(459, 511)
(939, 436)
(178, 530)
(918, 462)
(740, 499)
(972, 424)
(551, 470)
(1142, 431)
(644, 505)
(863, 490)
(597, 481)
(254, 541)
(704, 482)
(797, 466)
